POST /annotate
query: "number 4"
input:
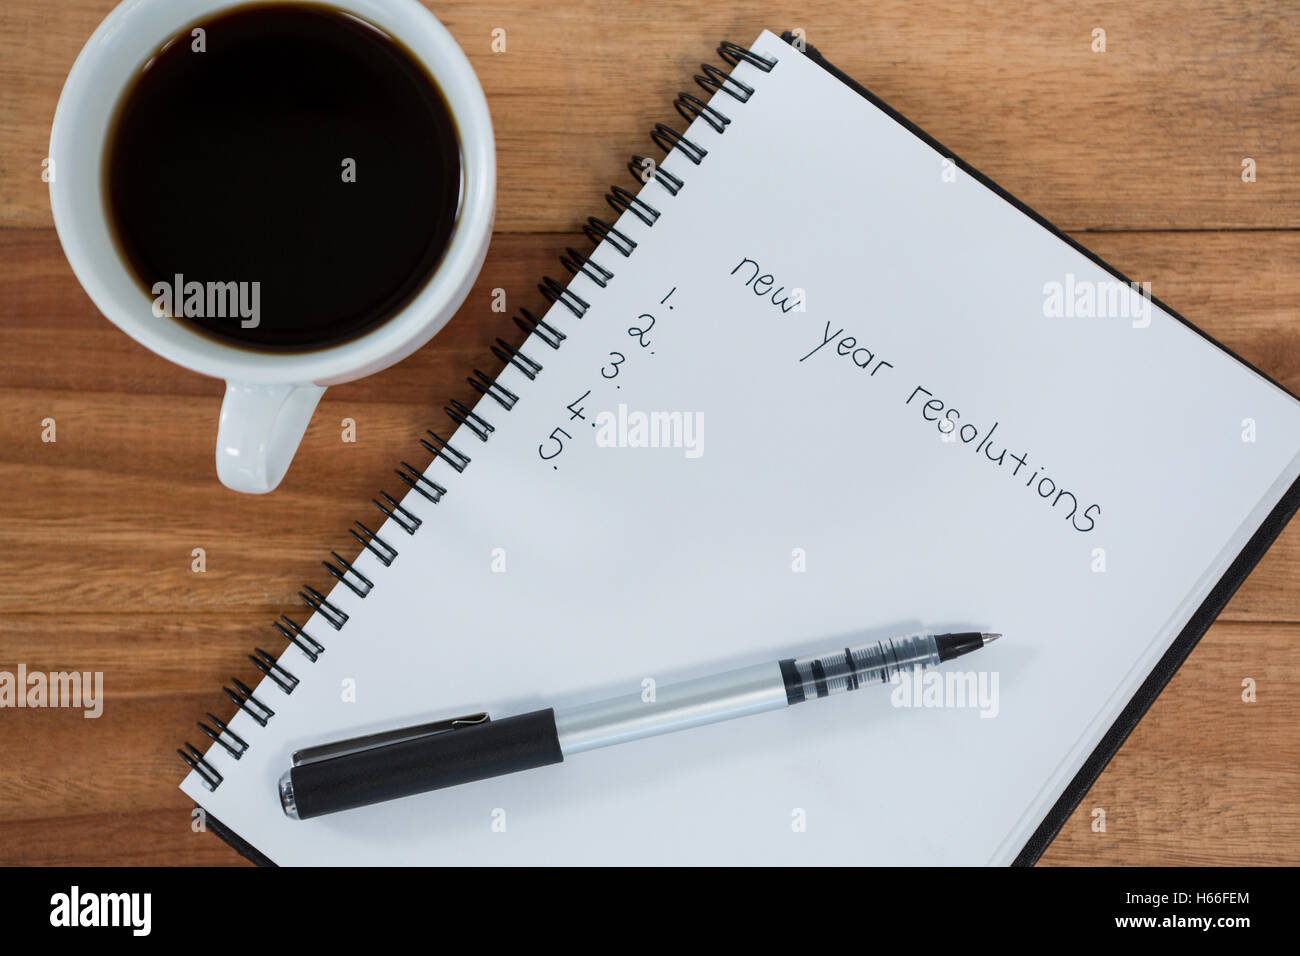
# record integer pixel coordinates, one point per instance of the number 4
(577, 412)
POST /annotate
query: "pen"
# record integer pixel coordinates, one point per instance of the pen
(400, 763)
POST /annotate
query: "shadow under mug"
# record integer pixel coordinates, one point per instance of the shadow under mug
(270, 397)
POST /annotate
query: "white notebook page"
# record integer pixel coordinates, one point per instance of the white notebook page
(822, 509)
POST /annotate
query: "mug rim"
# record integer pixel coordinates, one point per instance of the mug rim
(425, 314)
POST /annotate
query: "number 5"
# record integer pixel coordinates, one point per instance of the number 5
(559, 445)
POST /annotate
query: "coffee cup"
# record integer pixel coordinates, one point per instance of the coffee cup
(270, 395)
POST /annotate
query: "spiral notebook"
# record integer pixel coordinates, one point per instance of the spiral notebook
(819, 382)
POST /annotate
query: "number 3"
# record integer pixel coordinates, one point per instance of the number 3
(620, 361)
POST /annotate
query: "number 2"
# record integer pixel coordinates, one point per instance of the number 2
(639, 333)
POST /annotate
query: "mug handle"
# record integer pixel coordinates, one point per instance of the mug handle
(259, 431)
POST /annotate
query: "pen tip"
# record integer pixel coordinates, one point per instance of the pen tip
(989, 638)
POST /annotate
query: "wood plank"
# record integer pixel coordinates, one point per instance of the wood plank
(91, 503)
(145, 836)
(145, 656)
(1206, 778)
(1148, 135)
(1243, 291)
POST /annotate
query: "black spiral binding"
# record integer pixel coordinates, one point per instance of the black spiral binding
(711, 80)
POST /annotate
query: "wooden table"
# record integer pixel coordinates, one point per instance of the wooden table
(1137, 151)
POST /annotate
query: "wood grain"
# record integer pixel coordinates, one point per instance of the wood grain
(1148, 135)
(1137, 149)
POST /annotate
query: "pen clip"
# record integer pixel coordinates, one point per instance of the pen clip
(384, 738)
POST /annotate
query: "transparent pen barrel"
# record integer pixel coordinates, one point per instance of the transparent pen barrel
(854, 667)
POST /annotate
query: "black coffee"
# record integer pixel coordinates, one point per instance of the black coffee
(301, 150)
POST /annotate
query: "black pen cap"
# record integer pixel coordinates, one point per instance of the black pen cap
(358, 779)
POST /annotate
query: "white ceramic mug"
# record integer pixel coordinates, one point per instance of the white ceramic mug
(269, 397)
